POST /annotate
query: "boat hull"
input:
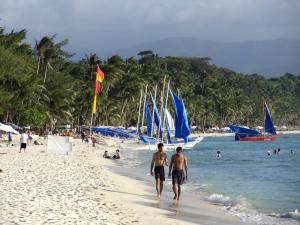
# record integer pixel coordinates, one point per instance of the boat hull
(259, 138)
(168, 147)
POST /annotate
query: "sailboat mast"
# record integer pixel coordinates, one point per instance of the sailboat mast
(138, 120)
(165, 112)
(152, 128)
(264, 117)
(145, 99)
(162, 103)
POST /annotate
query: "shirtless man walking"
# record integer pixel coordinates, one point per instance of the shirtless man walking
(159, 159)
(178, 163)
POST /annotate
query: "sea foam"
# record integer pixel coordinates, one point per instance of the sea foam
(220, 199)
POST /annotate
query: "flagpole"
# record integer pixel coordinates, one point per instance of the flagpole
(91, 124)
(94, 96)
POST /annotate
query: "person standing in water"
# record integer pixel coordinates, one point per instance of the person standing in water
(178, 167)
(159, 159)
(219, 154)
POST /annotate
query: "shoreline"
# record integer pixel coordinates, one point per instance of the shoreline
(201, 205)
(191, 209)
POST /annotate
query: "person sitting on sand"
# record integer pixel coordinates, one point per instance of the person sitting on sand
(159, 159)
(36, 142)
(105, 155)
(178, 167)
(117, 155)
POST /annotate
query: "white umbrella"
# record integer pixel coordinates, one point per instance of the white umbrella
(7, 128)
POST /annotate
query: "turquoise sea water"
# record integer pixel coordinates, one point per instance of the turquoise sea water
(245, 173)
(268, 183)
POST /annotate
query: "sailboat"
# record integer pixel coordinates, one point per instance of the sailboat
(246, 134)
(171, 133)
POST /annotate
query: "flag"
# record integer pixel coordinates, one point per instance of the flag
(98, 81)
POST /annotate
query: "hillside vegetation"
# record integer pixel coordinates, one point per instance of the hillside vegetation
(41, 86)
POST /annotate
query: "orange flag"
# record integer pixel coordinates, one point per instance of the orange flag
(98, 81)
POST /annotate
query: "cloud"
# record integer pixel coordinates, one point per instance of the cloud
(106, 25)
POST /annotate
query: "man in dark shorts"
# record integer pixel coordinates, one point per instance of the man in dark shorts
(159, 159)
(23, 141)
(178, 167)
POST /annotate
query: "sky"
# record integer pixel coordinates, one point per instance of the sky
(106, 25)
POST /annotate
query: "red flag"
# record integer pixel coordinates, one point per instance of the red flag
(98, 81)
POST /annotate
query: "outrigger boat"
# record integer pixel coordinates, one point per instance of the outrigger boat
(267, 134)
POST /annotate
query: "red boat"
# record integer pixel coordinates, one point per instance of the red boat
(259, 138)
(246, 134)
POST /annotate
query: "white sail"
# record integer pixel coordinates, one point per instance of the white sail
(170, 120)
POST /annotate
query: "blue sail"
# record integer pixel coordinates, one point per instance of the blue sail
(176, 102)
(148, 120)
(269, 127)
(185, 124)
(182, 129)
(156, 114)
(242, 130)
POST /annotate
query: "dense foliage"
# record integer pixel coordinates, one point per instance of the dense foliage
(41, 86)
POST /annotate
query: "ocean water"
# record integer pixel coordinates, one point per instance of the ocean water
(245, 175)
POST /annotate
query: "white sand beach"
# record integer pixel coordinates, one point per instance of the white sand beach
(81, 188)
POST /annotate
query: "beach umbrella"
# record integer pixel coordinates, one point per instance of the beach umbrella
(7, 129)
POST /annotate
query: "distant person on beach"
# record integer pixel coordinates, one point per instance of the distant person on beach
(36, 142)
(269, 153)
(117, 155)
(105, 155)
(93, 138)
(23, 141)
(219, 154)
(275, 151)
(292, 151)
(82, 136)
(178, 167)
(29, 133)
(278, 151)
(9, 138)
(159, 159)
